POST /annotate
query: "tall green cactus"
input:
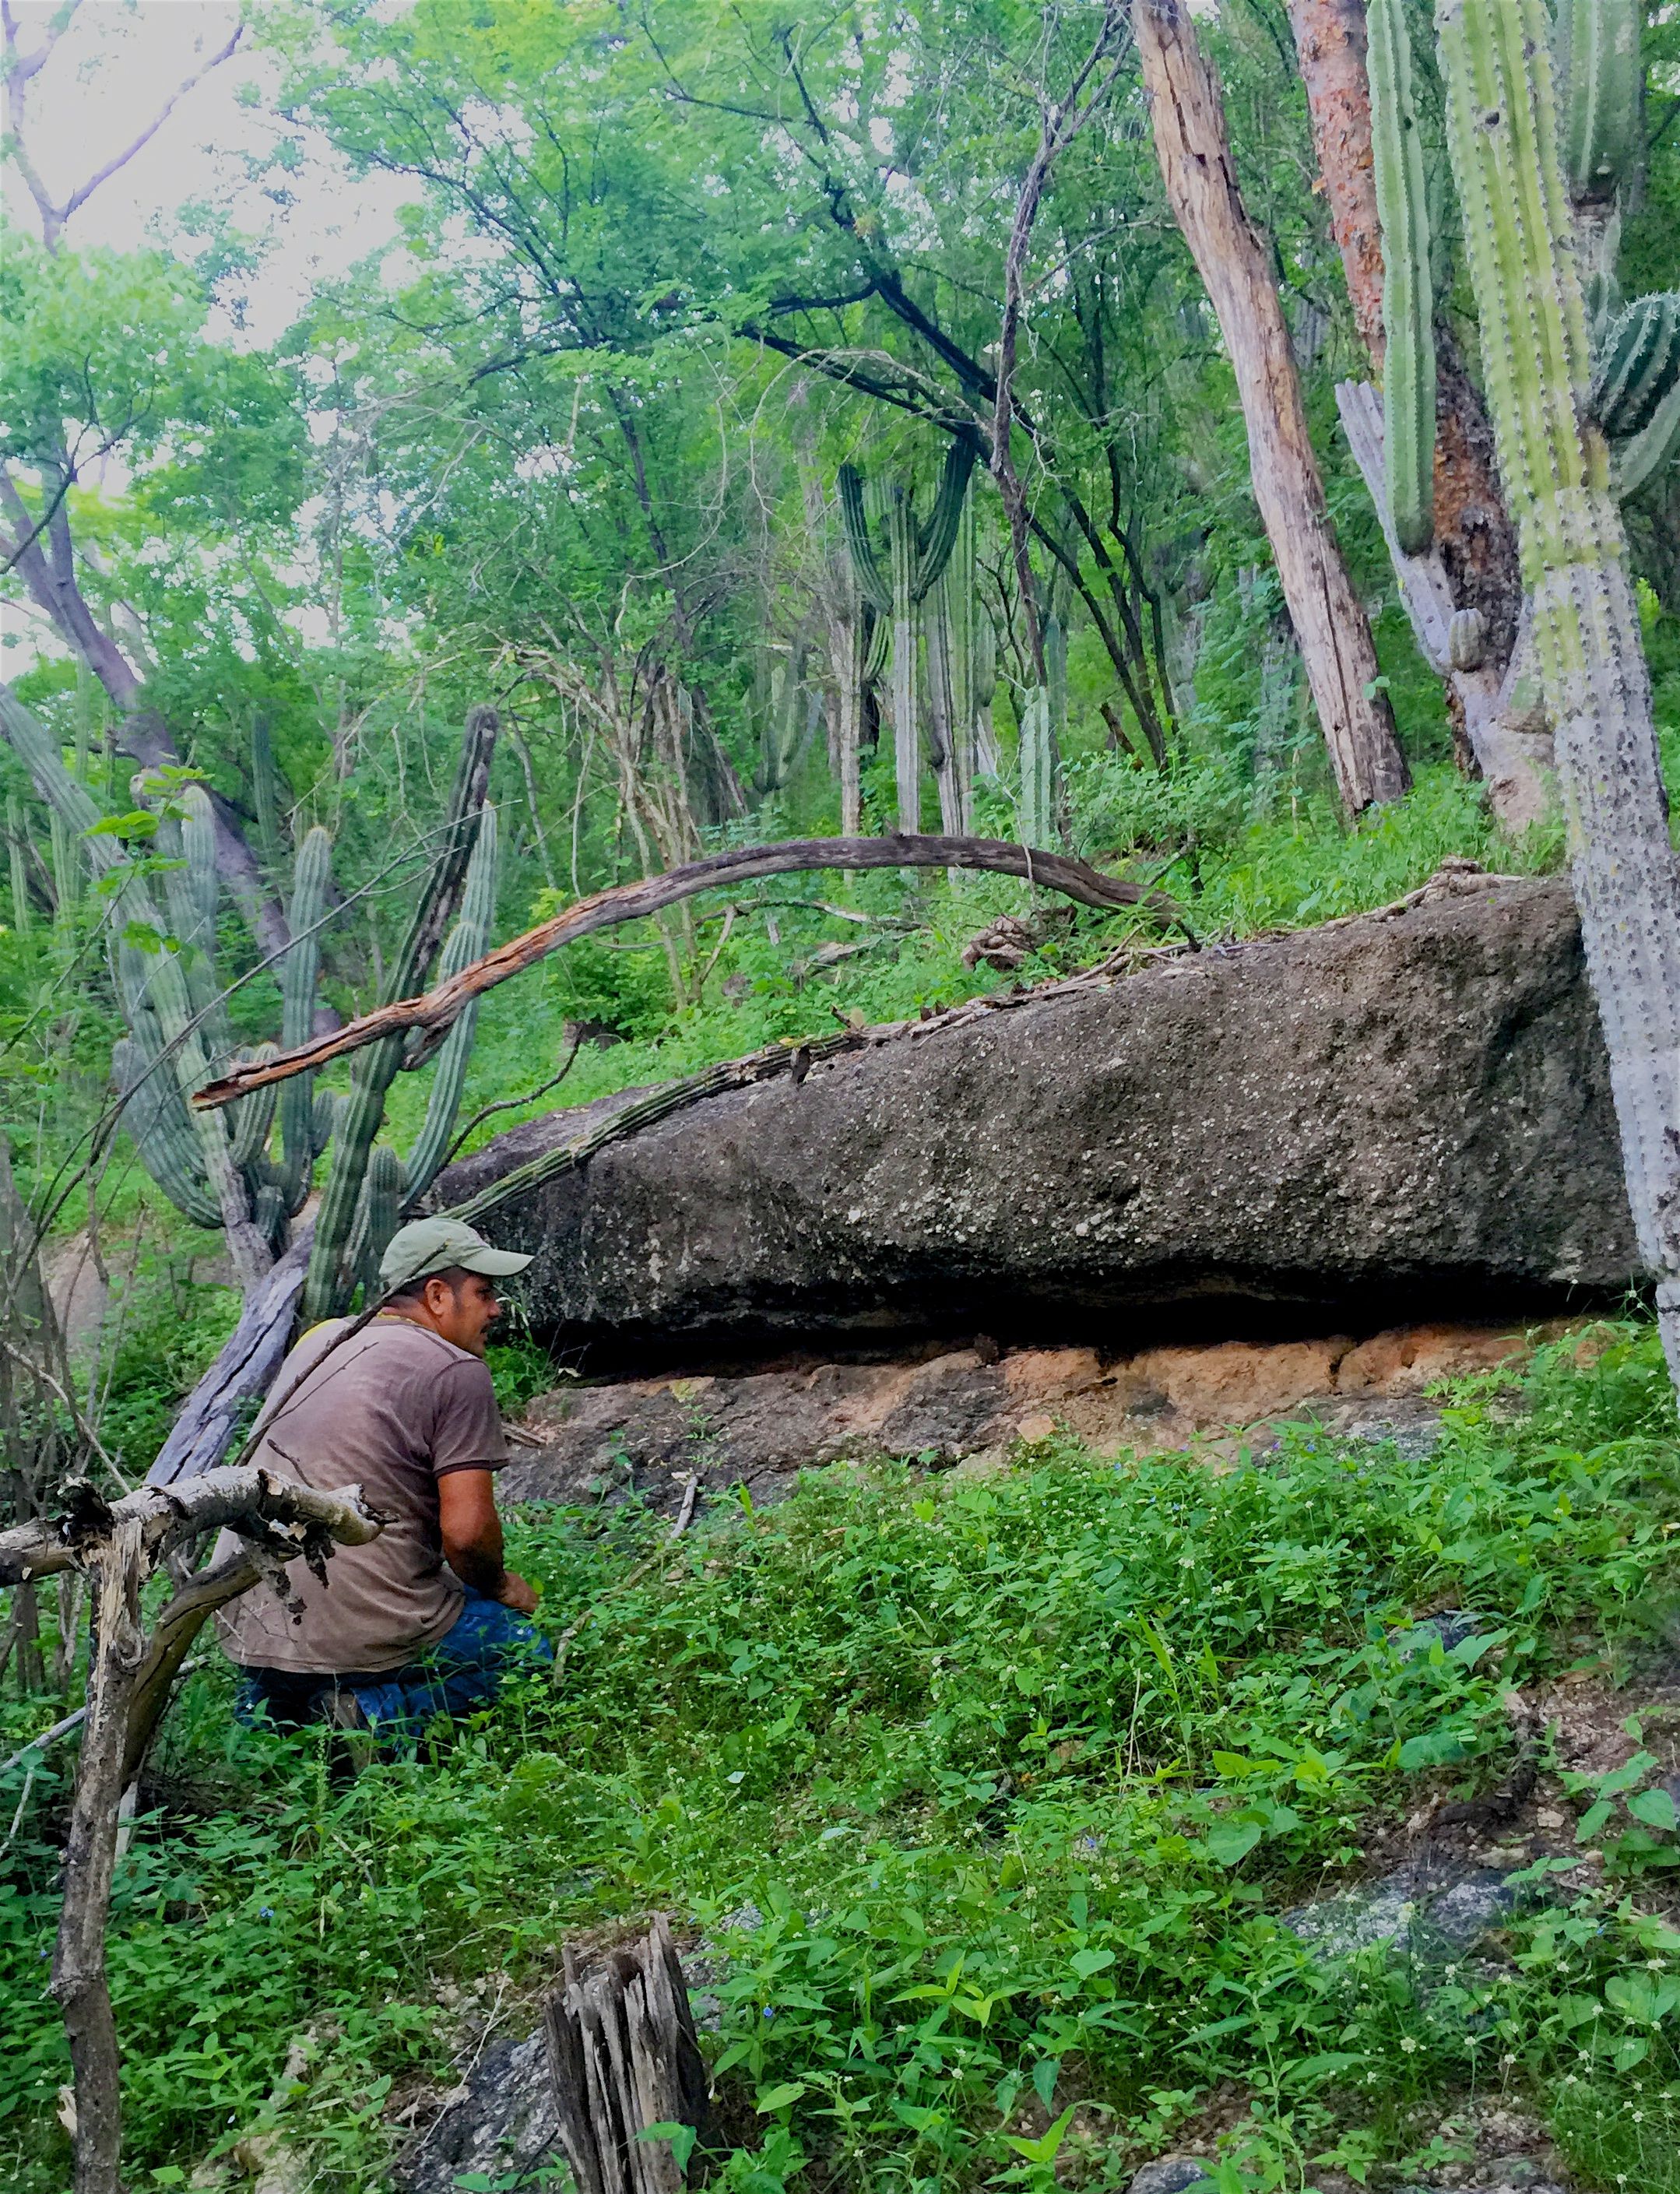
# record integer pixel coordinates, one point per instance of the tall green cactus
(954, 669)
(163, 964)
(1555, 463)
(1600, 94)
(916, 555)
(468, 940)
(334, 1261)
(302, 1139)
(22, 913)
(392, 1185)
(1408, 295)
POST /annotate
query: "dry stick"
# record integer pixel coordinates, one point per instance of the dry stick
(78, 1981)
(515, 1103)
(437, 1008)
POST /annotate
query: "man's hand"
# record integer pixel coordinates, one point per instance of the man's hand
(516, 1593)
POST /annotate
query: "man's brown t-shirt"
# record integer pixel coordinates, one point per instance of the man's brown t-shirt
(393, 1411)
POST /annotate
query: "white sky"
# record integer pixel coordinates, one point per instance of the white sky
(111, 72)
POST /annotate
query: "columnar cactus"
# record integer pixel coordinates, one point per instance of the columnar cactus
(955, 648)
(1601, 91)
(1496, 61)
(1637, 365)
(390, 1194)
(1408, 297)
(306, 1121)
(178, 1035)
(336, 1260)
(916, 555)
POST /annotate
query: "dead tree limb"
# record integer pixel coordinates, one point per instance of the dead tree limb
(247, 1363)
(437, 1008)
(275, 1512)
(128, 1681)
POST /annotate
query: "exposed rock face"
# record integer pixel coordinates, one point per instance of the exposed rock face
(1402, 1117)
(760, 1429)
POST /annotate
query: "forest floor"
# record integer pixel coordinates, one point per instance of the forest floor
(1312, 1814)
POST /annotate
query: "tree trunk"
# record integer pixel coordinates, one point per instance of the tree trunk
(1331, 627)
(80, 1982)
(1475, 541)
(1330, 42)
(901, 534)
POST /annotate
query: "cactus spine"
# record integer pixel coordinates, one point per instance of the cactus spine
(1555, 463)
(1409, 296)
(1637, 365)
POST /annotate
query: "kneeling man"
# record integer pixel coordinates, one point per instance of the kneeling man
(426, 1619)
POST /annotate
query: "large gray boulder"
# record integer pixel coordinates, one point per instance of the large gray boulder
(1397, 1119)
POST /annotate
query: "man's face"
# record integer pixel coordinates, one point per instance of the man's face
(463, 1310)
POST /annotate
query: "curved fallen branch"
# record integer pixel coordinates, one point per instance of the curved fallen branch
(436, 1009)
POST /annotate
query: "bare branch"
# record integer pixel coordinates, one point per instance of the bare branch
(1074, 879)
(79, 197)
(257, 1503)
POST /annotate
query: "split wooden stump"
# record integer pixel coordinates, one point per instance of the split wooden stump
(623, 2056)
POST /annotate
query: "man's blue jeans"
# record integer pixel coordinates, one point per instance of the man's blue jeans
(465, 1670)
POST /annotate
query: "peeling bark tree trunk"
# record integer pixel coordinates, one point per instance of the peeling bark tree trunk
(1334, 634)
(1475, 548)
(1330, 41)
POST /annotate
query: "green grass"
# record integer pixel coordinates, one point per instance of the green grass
(1017, 1774)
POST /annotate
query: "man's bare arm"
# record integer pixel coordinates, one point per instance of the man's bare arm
(472, 1534)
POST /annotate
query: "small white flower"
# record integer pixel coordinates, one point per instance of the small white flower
(1407, 2044)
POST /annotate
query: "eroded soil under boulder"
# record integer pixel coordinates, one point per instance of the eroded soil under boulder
(760, 1428)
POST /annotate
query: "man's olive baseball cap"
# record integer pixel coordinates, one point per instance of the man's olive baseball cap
(426, 1246)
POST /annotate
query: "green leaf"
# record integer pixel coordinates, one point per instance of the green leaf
(779, 2098)
(1043, 2150)
(1655, 1808)
(1439, 1749)
(1232, 1841)
(1592, 1820)
(681, 2137)
(1085, 1963)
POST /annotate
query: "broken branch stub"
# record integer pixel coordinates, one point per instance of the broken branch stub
(1059, 872)
(623, 2057)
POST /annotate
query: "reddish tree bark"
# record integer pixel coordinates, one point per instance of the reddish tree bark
(1331, 626)
(1330, 42)
(1474, 537)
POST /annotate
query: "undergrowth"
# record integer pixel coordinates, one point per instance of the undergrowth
(994, 1790)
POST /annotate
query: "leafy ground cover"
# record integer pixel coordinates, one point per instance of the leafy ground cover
(994, 1788)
